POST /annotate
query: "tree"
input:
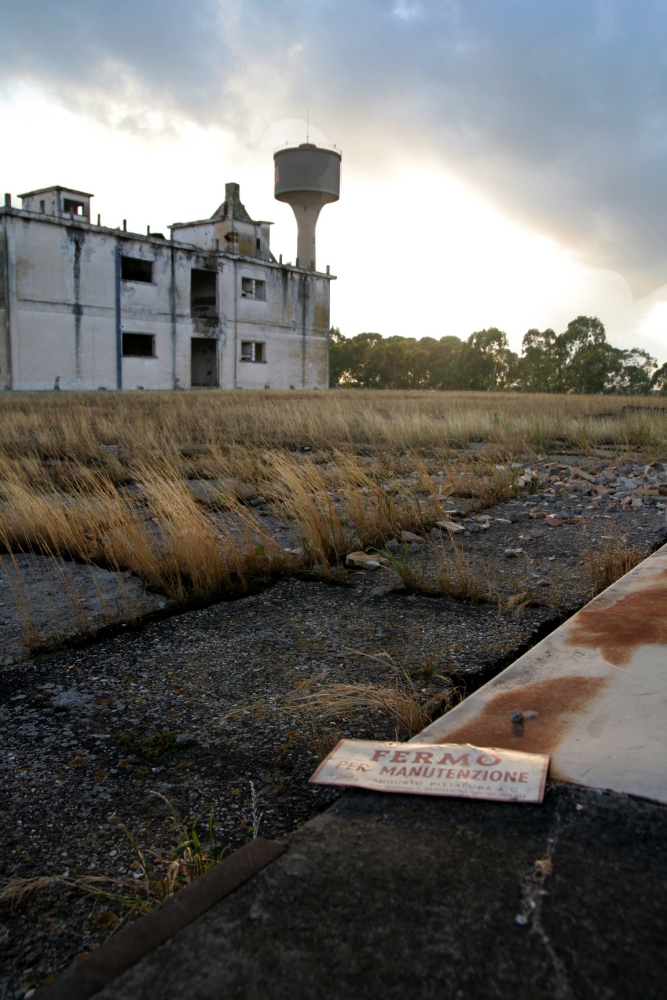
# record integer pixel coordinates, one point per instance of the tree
(486, 361)
(537, 366)
(636, 368)
(577, 360)
(583, 356)
(659, 380)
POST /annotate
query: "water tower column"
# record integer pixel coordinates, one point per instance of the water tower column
(306, 219)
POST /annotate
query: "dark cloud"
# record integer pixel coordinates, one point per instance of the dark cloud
(555, 110)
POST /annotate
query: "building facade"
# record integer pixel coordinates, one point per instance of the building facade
(87, 307)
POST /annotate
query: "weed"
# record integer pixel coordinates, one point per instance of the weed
(458, 579)
(425, 670)
(518, 602)
(256, 814)
(163, 741)
(323, 741)
(159, 872)
(612, 561)
(412, 571)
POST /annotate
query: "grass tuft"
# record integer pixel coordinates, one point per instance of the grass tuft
(400, 700)
(612, 561)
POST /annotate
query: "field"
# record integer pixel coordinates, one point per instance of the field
(184, 635)
(168, 486)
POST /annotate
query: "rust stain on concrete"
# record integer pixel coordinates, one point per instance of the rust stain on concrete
(617, 629)
(557, 702)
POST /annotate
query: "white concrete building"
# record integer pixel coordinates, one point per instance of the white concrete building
(87, 307)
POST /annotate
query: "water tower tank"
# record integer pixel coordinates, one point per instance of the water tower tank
(307, 178)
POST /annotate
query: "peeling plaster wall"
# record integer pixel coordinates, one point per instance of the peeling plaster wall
(61, 280)
(296, 347)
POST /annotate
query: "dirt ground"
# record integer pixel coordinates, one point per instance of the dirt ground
(195, 706)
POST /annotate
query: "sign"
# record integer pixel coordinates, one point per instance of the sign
(456, 769)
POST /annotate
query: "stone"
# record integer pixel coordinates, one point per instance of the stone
(213, 491)
(451, 526)
(510, 553)
(392, 545)
(364, 560)
(409, 536)
(582, 475)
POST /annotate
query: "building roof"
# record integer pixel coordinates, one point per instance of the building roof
(56, 187)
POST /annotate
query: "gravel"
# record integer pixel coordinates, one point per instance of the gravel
(77, 762)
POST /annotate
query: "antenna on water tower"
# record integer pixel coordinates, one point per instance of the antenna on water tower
(307, 124)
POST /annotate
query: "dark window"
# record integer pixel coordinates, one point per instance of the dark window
(253, 351)
(41, 205)
(203, 294)
(138, 345)
(258, 244)
(252, 288)
(75, 207)
(136, 269)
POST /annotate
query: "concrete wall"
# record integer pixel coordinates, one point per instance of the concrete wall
(246, 234)
(62, 316)
(5, 360)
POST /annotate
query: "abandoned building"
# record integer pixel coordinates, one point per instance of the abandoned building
(83, 306)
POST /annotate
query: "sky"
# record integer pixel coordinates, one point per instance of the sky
(504, 161)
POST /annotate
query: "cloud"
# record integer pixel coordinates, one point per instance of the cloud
(553, 111)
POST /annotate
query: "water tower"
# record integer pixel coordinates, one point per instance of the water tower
(307, 178)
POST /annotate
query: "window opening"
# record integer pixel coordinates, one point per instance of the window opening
(138, 345)
(253, 288)
(253, 351)
(203, 294)
(42, 205)
(136, 269)
(75, 207)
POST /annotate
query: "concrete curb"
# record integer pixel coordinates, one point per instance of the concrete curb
(592, 694)
(133, 943)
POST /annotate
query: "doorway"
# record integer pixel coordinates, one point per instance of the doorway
(204, 361)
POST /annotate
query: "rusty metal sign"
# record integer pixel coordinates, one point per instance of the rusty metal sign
(592, 695)
(458, 770)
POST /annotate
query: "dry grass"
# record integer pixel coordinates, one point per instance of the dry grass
(459, 579)
(612, 561)
(400, 700)
(103, 478)
(184, 426)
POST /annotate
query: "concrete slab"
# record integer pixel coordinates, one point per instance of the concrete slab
(394, 896)
(593, 694)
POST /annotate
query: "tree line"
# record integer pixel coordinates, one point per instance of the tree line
(578, 360)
